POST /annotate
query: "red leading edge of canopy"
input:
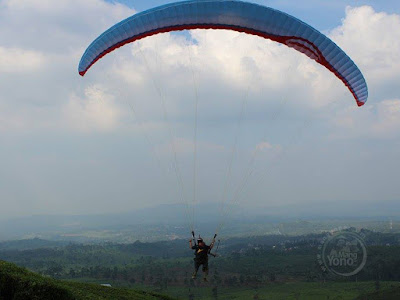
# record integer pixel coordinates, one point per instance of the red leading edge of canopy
(280, 39)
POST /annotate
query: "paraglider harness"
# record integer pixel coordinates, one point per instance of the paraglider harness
(212, 243)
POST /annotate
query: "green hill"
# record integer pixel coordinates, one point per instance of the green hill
(19, 284)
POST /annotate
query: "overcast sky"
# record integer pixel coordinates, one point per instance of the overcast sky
(98, 144)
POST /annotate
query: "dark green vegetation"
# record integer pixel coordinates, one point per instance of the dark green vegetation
(267, 267)
(392, 293)
(19, 283)
(293, 291)
(30, 244)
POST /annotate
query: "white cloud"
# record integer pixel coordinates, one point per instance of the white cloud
(40, 46)
(372, 39)
(377, 121)
(388, 119)
(56, 26)
(14, 60)
(185, 146)
(96, 111)
(267, 147)
(222, 61)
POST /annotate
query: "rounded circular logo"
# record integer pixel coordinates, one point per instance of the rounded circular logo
(343, 254)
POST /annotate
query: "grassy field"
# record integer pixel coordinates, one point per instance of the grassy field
(19, 283)
(287, 291)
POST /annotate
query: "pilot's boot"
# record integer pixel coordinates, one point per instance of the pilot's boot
(194, 275)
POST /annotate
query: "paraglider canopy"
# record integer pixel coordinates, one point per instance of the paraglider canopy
(232, 15)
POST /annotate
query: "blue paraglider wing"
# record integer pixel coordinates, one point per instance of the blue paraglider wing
(233, 15)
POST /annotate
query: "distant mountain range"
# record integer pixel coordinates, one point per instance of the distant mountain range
(165, 222)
